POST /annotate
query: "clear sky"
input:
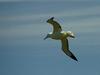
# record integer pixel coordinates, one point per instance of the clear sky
(23, 27)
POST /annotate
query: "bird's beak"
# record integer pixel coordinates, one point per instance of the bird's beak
(45, 37)
(72, 36)
(47, 21)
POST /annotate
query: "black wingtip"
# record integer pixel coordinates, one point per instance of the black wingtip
(52, 18)
(73, 57)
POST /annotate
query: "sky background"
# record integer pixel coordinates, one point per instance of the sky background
(23, 27)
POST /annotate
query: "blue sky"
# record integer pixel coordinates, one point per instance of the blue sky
(23, 27)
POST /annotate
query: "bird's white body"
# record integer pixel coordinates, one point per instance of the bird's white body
(58, 34)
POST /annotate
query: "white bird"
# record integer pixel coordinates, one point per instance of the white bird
(58, 34)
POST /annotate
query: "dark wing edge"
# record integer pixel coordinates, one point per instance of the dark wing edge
(55, 24)
(65, 48)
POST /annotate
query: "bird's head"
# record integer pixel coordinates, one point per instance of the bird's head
(48, 36)
(70, 34)
(50, 20)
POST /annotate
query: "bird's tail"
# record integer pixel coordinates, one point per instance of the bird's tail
(71, 55)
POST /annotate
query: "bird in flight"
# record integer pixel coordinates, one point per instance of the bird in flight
(58, 34)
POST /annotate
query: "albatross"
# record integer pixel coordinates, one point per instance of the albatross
(58, 34)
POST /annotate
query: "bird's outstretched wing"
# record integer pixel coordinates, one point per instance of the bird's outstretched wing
(65, 48)
(56, 25)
